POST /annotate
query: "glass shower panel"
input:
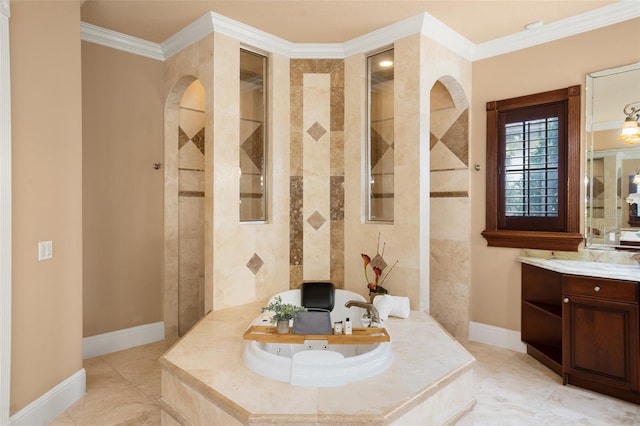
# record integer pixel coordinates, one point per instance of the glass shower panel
(252, 137)
(380, 148)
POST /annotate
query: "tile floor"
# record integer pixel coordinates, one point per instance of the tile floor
(512, 388)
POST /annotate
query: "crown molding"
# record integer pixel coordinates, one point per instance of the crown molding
(317, 51)
(383, 36)
(251, 36)
(119, 41)
(424, 24)
(608, 15)
(446, 36)
(190, 34)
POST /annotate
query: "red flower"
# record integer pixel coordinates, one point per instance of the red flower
(377, 271)
(367, 261)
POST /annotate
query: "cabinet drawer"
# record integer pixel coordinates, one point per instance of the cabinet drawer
(601, 288)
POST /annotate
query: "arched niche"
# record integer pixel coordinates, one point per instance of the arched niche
(184, 169)
(449, 207)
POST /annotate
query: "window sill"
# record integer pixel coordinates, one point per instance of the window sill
(564, 241)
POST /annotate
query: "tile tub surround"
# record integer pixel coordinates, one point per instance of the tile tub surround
(204, 380)
(587, 268)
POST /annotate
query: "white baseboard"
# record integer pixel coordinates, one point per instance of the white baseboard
(52, 403)
(496, 336)
(118, 340)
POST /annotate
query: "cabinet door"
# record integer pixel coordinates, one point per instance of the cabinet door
(600, 342)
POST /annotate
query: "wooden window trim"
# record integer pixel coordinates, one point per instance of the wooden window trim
(570, 238)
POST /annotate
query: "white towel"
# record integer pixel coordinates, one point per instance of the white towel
(384, 305)
(400, 307)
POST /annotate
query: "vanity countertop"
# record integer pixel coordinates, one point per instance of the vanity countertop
(586, 268)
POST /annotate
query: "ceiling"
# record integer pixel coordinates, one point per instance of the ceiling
(330, 21)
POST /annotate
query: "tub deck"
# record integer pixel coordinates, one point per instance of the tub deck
(204, 380)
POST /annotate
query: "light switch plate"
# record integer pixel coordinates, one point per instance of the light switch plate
(45, 250)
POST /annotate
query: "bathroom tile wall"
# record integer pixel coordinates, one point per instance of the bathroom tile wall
(249, 260)
(316, 223)
(449, 194)
(416, 233)
(403, 238)
(315, 161)
(242, 262)
(191, 207)
(181, 71)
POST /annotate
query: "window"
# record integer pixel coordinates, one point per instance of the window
(253, 203)
(531, 144)
(380, 152)
(533, 171)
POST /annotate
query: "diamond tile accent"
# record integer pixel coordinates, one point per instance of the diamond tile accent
(255, 263)
(182, 138)
(316, 131)
(457, 137)
(316, 220)
(598, 187)
(378, 147)
(198, 140)
(253, 147)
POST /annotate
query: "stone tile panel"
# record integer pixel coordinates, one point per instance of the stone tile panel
(295, 220)
(337, 153)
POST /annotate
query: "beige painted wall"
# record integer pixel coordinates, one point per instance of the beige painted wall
(47, 197)
(122, 103)
(495, 273)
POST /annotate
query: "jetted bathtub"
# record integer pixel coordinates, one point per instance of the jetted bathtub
(315, 362)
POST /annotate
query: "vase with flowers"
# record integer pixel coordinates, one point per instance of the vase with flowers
(377, 265)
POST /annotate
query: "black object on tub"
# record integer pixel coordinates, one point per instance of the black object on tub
(318, 295)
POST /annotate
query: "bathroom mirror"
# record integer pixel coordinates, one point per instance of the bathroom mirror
(611, 165)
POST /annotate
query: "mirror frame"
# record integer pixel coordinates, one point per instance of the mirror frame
(589, 154)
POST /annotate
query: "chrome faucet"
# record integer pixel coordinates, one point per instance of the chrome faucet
(371, 310)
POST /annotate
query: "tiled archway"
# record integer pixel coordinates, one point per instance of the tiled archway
(175, 139)
(449, 192)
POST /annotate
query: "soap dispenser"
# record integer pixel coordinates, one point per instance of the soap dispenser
(348, 329)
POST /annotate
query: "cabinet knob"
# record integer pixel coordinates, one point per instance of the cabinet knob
(596, 289)
(565, 300)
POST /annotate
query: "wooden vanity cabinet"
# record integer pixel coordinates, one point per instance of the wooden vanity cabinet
(600, 335)
(584, 328)
(541, 319)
